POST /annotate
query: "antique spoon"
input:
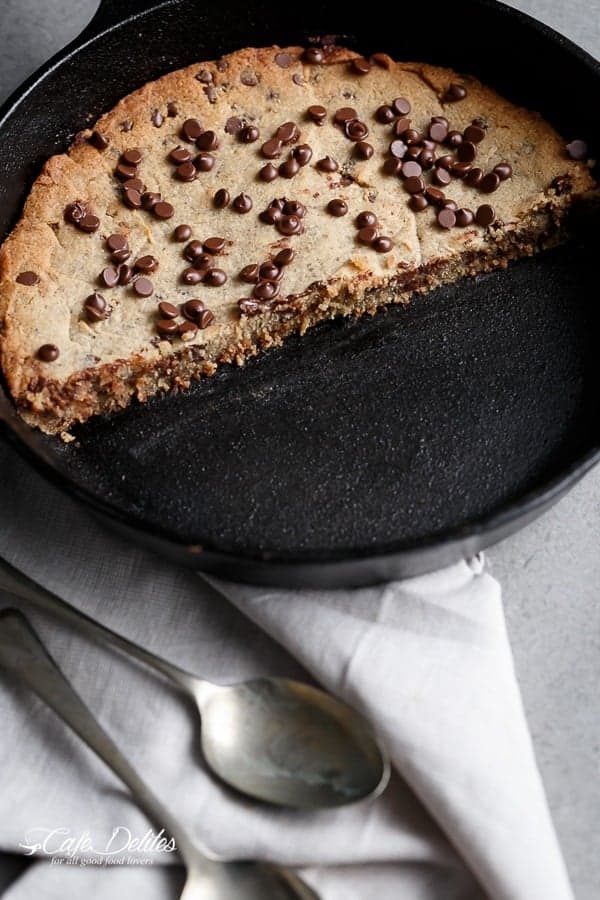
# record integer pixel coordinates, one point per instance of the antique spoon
(23, 655)
(273, 739)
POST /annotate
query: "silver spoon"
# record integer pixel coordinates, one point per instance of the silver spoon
(23, 654)
(273, 739)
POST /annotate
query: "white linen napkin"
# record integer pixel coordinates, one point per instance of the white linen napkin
(426, 659)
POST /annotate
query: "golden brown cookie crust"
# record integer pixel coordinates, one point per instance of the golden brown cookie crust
(103, 365)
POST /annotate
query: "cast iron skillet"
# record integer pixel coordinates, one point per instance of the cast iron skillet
(368, 450)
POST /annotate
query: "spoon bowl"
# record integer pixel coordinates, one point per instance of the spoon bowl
(290, 744)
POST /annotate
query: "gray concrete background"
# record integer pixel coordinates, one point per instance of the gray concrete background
(550, 572)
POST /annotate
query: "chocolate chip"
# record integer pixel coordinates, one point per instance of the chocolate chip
(74, 212)
(182, 233)
(270, 216)
(414, 185)
(268, 173)
(27, 278)
(98, 140)
(109, 276)
(360, 66)
(193, 309)
(221, 198)
(187, 172)
(454, 93)
(313, 55)
(204, 76)
(413, 152)
(192, 276)
(157, 118)
(401, 106)
(166, 327)
(503, 170)
(124, 172)
(206, 318)
(303, 154)
(134, 184)
(215, 245)
(271, 149)
(289, 168)
(367, 234)
(284, 60)
(132, 199)
(143, 287)
(474, 177)
(411, 168)
(191, 130)
(289, 225)
(327, 164)
(380, 59)
(265, 290)
(146, 264)
(203, 261)
(215, 277)
(172, 109)
(461, 169)
(435, 196)
(464, 217)
(233, 125)
(363, 150)
(284, 257)
(489, 183)
(168, 310)
(249, 273)
(392, 166)
(317, 114)
(454, 139)
(474, 133)
(485, 215)
(208, 140)
(89, 223)
(96, 308)
(446, 218)
(441, 177)
(125, 274)
(466, 152)
(344, 114)
(48, 353)
(356, 130)
(382, 244)
(150, 199)
(249, 78)
(132, 157)
(438, 132)
(450, 204)
(249, 134)
(270, 272)
(163, 210)
(117, 242)
(242, 203)
(385, 114)
(287, 133)
(366, 218)
(418, 202)
(294, 208)
(337, 207)
(577, 149)
(398, 149)
(426, 159)
(126, 125)
(401, 127)
(187, 331)
(204, 162)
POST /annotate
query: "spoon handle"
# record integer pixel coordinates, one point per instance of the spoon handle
(15, 582)
(23, 654)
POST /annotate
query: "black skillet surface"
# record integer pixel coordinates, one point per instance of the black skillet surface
(367, 450)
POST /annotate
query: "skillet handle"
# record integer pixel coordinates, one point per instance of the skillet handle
(113, 12)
